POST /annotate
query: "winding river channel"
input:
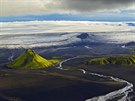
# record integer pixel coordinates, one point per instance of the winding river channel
(122, 94)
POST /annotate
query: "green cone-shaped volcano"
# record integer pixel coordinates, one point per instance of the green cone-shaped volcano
(31, 60)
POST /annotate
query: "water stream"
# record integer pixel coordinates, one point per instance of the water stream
(122, 93)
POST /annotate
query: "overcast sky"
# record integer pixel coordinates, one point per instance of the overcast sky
(67, 8)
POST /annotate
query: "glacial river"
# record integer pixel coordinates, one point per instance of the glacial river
(122, 94)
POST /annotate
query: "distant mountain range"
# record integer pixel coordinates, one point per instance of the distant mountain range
(116, 60)
(131, 24)
(31, 60)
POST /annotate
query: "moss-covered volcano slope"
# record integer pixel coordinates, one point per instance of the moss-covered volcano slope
(31, 60)
(117, 60)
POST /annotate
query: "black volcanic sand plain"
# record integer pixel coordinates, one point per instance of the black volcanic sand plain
(125, 72)
(62, 85)
(57, 85)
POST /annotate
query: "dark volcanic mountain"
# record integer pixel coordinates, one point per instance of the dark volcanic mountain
(131, 43)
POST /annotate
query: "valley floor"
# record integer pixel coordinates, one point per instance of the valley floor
(62, 85)
(123, 72)
(57, 85)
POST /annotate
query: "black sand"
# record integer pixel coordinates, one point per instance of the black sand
(50, 86)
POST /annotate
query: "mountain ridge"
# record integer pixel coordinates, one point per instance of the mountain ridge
(115, 60)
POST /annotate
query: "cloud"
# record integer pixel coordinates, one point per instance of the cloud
(92, 5)
(24, 7)
(13, 7)
(34, 27)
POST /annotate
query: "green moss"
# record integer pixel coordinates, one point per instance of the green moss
(99, 61)
(54, 61)
(31, 60)
(119, 60)
(55, 57)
